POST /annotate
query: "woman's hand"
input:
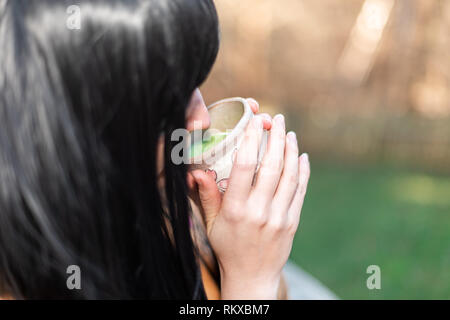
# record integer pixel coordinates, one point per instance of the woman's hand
(251, 228)
(267, 120)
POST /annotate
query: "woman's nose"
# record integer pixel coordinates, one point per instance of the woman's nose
(197, 116)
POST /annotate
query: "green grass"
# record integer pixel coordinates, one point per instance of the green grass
(397, 219)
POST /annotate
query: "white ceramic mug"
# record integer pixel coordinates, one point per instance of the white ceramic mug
(232, 116)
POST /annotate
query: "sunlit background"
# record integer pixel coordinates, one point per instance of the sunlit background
(366, 85)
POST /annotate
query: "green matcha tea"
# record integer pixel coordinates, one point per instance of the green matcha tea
(207, 143)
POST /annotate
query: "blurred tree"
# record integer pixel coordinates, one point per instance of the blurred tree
(357, 77)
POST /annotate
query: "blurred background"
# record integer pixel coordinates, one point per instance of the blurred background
(366, 85)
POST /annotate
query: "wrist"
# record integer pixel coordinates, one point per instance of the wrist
(249, 288)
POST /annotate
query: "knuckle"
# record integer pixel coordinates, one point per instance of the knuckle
(308, 172)
(256, 215)
(254, 204)
(303, 190)
(234, 217)
(276, 225)
(234, 211)
(266, 171)
(273, 164)
(292, 229)
(259, 220)
(293, 180)
(245, 164)
(292, 225)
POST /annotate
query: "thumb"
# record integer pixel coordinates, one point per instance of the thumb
(209, 195)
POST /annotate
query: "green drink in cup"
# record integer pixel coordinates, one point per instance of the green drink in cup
(199, 147)
(214, 150)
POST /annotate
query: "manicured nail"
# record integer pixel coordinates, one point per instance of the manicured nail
(305, 157)
(266, 117)
(254, 101)
(292, 137)
(211, 173)
(279, 119)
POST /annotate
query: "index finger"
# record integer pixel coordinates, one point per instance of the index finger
(254, 105)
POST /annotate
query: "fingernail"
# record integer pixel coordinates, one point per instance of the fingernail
(292, 137)
(279, 118)
(211, 173)
(253, 100)
(305, 157)
(266, 117)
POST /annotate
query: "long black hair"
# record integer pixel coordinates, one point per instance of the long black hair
(81, 114)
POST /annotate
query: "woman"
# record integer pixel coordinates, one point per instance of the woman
(86, 177)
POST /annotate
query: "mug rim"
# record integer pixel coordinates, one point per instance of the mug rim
(238, 128)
